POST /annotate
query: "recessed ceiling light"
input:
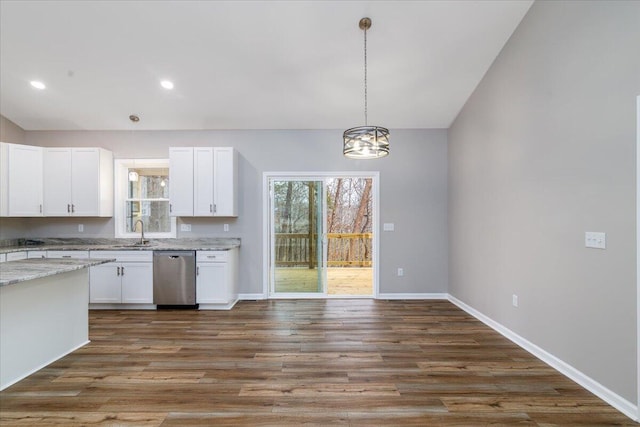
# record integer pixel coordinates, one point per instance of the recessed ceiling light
(38, 84)
(166, 84)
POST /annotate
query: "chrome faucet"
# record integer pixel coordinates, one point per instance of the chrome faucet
(135, 227)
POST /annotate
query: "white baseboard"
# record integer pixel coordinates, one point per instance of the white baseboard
(251, 297)
(612, 398)
(395, 296)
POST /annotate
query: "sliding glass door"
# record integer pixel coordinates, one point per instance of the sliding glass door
(297, 218)
(320, 235)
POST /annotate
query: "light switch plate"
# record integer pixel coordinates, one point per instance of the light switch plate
(595, 240)
(388, 226)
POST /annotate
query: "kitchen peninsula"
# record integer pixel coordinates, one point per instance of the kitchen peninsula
(43, 313)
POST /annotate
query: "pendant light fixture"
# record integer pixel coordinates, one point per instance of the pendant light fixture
(366, 142)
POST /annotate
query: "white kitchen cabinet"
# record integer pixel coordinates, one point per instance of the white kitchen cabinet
(20, 180)
(68, 254)
(181, 181)
(15, 256)
(216, 279)
(128, 280)
(210, 174)
(36, 254)
(78, 182)
(225, 181)
(203, 181)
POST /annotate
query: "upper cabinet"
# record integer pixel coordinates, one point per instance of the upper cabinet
(21, 191)
(203, 181)
(37, 181)
(78, 182)
(181, 181)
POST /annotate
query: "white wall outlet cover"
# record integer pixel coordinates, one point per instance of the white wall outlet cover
(514, 300)
(388, 226)
(81, 228)
(185, 227)
(400, 271)
(226, 227)
(596, 240)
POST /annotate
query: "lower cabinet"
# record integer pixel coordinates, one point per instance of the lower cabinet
(216, 279)
(128, 280)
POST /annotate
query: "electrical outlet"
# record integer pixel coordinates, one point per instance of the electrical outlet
(185, 227)
(226, 227)
(80, 228)
(388, 226)
(400, 272)
(514, 300)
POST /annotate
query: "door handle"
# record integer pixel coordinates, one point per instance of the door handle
(197, 271)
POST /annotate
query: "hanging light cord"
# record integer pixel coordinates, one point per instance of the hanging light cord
(366, 122)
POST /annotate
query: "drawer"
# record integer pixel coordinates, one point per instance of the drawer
(212, 256)
(37, 254)
(14, 256)
(68, 254)
(124, 256)
(3, 257)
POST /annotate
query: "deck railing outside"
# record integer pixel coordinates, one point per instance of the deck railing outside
(343, 249)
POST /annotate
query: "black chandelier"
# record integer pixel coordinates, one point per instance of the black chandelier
(366, 142)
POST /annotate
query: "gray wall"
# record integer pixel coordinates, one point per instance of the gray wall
(413, 194)
(10, 132)
(543, 151)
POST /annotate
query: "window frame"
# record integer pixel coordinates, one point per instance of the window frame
(121, 193)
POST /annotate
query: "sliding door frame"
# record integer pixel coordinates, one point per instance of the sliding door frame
(267, 177)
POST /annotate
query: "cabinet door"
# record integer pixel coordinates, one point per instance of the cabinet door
(137, 282)
(224, 181)
(203, 181)
(57, 181)
(85, 182)
(211, 283)
(104, 283)
(25, 180)
(181, 181)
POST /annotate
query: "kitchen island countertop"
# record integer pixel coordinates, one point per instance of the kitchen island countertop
(13, 272)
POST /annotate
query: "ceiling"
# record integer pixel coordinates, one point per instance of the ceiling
(245, 64)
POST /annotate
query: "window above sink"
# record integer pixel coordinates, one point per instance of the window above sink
(142, 193)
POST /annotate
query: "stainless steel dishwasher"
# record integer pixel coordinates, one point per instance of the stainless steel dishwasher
(174, 279)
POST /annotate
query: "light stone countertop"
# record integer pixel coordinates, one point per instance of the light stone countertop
(104, 244)
(13, 272)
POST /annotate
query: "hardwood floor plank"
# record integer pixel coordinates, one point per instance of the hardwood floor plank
(352, 362)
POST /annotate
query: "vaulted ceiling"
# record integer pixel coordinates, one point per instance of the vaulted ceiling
(245, 64)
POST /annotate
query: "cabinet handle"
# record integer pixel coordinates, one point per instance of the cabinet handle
(122, 271)
(215, 208)
(40, 208)
(66, 256)
(210, 208)
(73, 208)
(170, 208)
(118, 270)
(211, 256)
(68, 208)
(197, 271)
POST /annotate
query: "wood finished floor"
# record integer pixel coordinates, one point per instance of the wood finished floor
(356, 362)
